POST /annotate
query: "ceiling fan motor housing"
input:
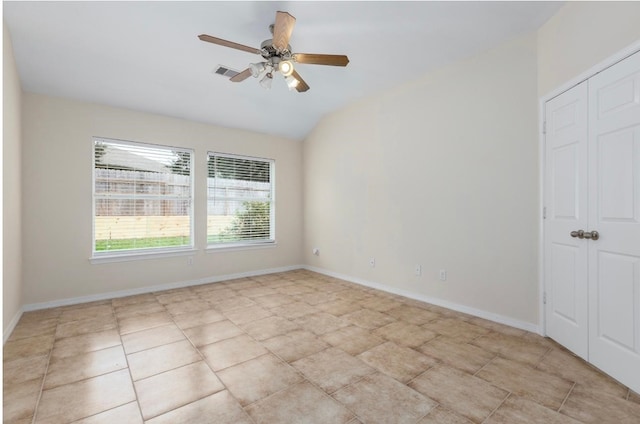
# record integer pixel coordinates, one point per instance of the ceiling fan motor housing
(269, 51)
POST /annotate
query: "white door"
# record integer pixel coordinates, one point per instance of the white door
(614, 211)
(566, 201)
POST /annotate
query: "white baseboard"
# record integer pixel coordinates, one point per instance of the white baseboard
(218, 278)
(12, 325)
(150, 289)
(432, 300)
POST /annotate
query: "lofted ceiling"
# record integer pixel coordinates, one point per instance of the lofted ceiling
(146, 56)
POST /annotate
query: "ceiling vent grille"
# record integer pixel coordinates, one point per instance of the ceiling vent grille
(225, 72)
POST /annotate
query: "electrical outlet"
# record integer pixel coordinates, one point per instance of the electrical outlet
(316, 251)
(417, 271)
(372, 262)
(190, 260)
(443, 275)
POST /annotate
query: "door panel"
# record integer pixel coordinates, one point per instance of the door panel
(565, 181)
(563, 282)
(614, 208)
(617, 285)
(565, 260)
(616, 167)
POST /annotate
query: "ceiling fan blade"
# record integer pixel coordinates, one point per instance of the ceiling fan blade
(241, 76)
(321, 59)
(302, 86)
(225, 43)
(282, 30)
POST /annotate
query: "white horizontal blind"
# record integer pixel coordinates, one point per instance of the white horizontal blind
(240, 207)
(143, 197)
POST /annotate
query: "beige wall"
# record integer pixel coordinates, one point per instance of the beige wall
(57, 169)
(11, 186)
(440, 172)
(580, 36)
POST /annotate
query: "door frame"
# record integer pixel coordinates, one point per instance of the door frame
(599, 67)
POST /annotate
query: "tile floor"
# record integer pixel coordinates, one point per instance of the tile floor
(295, 347)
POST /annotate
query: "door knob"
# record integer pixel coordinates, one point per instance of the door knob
(593, 235)
(581, 234)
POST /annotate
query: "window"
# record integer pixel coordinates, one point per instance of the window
(142, 198)
(240, 206)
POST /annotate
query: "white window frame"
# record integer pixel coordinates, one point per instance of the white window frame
(141, 253)
(246, 244)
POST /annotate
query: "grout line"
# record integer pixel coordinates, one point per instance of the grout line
(302, 376)
(93, 376)
(566, 397)
(77, 354)
(126, 358)
(420, 374)
(497, 407)
(544, 355)
(44, 377)
(113, 314)
(478, 337)
(204, 359)
(488, 362)
(355, 415)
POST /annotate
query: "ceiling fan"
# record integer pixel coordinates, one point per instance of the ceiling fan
(278, 56)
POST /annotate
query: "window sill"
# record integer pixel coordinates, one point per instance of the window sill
(240, 246)
(137, 256)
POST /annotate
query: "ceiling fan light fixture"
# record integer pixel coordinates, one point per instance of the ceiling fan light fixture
(286, 68)
(267, 80)
(292, 83)
(257, 69)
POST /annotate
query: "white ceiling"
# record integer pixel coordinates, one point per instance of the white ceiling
(146, 55)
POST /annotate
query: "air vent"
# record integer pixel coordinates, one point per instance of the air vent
(225, 72)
